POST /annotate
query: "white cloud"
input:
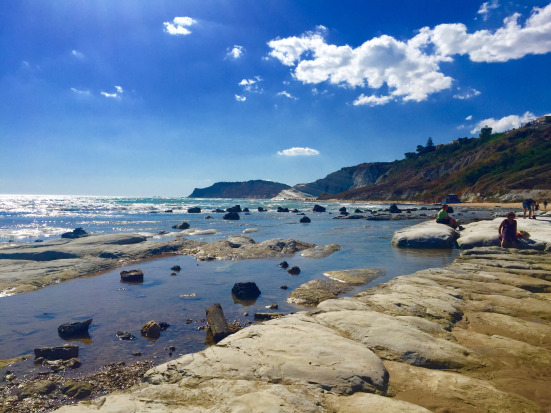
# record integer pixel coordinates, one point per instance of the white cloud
(372, 100)
(236, 52)
(118, 93)
(77, 54)
(298, 152)
(504, 124)
(469, 117)
(251, 85)
(410, 69)
(179, 26)
(80, 92)
(286, 94)
(470, 93)
(486, 7)
(240, 98)
(512, 41)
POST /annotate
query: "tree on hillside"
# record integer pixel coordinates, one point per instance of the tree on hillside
(430, 146)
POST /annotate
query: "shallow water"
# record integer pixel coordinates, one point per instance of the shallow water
(30, 320)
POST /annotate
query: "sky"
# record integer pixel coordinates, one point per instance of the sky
(156, 98)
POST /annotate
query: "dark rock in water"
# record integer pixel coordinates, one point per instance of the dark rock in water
(124, 335)
(77, 389)
(305, 220)
(65, 352)
(280, 209)
(183, 225)
(38, 240)
(342, 209)
(235, 208)
(132, 276)
(284, 287)
(218, 324)
(260, 209)
(176, 268)
(168, 211)
(173, 274)
(246, 210)
(294, 270)
(233, 216)
(163, 325)
(295, 211)
(245, 291)
(358, 211)
(273, 306)
(283, 264)
(194, 210)
(151, 329)
(267, 316)
(318, 208)
(218, 210)
(344, 213)
(74, 330)
(394, 209)
(208, 217)
(76, 233)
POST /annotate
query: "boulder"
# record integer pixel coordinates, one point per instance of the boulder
(305, 220)
(194, 210)
(77, 389)
(218, 324)
(232, 216)
(280, 209)
(176, 268)
(284, 264)
(294, 270)
(261, 209)
(393, 209)
(76, 233)
(245, 291)
(40, 387)
(152, 330)
(183, 225)
(235, 208)
(74, 329)
(65, 352)
(132, 276)
(246, 210)
(342, 209)
(318, 208)
(428, 235)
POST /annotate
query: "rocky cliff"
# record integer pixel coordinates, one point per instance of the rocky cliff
(249, 189)
(491, 167)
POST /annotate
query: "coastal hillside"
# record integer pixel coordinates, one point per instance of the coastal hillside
(251, 189)
(487, 168)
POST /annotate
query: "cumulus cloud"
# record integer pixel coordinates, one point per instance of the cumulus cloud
(486, 7)
(469, 117)
(410, 69)
(286, 94)
(179, 26)
(251, 85)
(467, 94)
(240, 98)
(236, 52)
(298, 152)
(504, 124)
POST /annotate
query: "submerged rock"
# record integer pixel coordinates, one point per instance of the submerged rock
(65, 352)
(314, 292)
(152, 329)
(231, 216)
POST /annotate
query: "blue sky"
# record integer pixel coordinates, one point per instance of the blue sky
(147, 98)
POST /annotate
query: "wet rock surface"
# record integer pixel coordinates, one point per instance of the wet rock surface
(473, 336)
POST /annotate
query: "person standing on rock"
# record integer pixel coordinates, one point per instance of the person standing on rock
(508, 231)
(443, 218)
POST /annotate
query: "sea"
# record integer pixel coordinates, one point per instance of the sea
(30, 320)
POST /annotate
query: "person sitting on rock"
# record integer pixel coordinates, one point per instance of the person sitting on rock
(443, 218)
(508, 231)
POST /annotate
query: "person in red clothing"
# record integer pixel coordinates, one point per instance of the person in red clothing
(508, 231)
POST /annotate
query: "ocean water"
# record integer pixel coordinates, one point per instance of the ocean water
(30, 320)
